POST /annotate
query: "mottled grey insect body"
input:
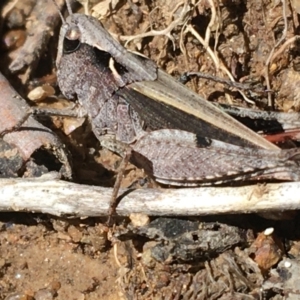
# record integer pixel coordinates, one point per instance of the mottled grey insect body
(175, 135)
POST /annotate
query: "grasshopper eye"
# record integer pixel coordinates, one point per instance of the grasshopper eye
(72, 40)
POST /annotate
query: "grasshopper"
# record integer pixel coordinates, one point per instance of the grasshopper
(142, 113)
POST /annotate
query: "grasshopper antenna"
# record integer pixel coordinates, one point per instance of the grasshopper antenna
(59, 12)
(69, 7)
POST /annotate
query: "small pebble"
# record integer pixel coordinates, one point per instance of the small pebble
(269, 231)
(139, 220)
(13, 39)
(44, 294)
(18, 296)
(41, 92)
(287, 264)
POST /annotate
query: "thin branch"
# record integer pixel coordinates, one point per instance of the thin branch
(215, 58)
(63, 198)
(285, 45)
(271, 56)
(165, 32)
(211, 21)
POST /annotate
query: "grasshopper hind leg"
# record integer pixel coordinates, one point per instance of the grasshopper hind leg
(124, 151)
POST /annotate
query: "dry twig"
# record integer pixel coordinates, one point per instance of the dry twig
(167, 31)
(213, 54)
(272, 56)
(63, 198)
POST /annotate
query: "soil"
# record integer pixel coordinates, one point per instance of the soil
(46, 257)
